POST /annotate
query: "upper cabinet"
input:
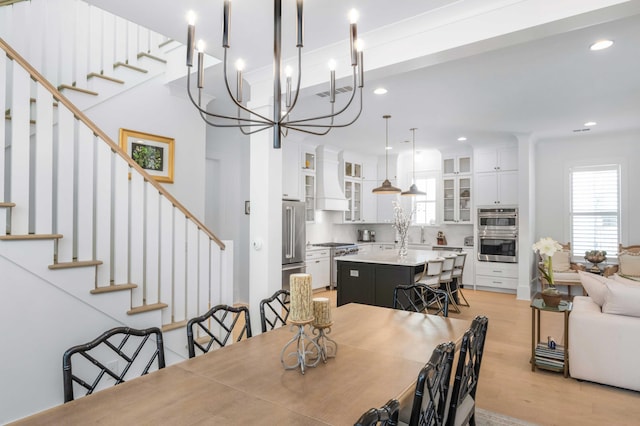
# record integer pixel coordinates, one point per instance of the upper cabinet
(496, 177)
(308, 162)
(358, 175)
(291, 188)
(456, 194)
(456, 164)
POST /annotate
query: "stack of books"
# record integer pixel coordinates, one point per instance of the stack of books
(550, 358)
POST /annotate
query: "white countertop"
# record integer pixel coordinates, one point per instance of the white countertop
(390, 257)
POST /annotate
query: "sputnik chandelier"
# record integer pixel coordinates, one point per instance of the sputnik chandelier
(249, 121)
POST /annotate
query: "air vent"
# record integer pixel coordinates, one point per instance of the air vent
(580, 130)
(339, 90)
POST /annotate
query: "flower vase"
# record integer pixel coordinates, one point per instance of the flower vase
(551, 297)
(402, 251)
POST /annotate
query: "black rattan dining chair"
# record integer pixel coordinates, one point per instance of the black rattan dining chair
(217, 327)
(419, 297)
(118, 354)
(274, 310)
(432, 387)
(462, 405)
(387, 415)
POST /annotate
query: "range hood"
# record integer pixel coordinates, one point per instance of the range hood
(329, 194)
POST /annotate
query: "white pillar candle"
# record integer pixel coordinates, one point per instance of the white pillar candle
(301, 307)
(321, 311)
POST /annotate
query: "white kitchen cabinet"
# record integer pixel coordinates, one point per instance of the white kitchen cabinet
(358, 176)
(309, 182)
(468, 273)
(456, 202)
(318, 266)
(500, 188)
(496, 159)
(353, 194)
(291, 183)
(456, 164)
(496, 275)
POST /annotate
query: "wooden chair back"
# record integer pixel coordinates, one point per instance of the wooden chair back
(385, 416)
(274, 310)
(217, 327)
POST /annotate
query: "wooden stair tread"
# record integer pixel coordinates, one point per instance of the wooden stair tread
(77, 89)
(174, 326)
(75, 264)
(147, 55)
(113, 287)
(147, 308)
(104, 77)
(131, 67)
(7, 205)
(31, 237)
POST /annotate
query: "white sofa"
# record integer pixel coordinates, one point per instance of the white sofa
(603, 347)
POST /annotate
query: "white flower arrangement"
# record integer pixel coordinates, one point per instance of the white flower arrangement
(547, 246)
(401, 222)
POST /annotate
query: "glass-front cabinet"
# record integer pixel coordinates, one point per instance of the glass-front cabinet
(457, 200)
(352, 170)
(456, 165)
(309, 183)
(353, 194)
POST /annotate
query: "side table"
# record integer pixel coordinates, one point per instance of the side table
(541, 355)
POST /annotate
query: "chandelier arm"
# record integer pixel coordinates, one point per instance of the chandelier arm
(301, 123)
(233, 98)
(211, 114)
(311, 132)
(334, 114)
(211, 123)
(295, 98)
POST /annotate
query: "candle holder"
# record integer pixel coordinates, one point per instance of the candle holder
(327, 347)
(302, 349)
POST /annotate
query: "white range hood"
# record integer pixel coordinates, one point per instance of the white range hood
(329, 193)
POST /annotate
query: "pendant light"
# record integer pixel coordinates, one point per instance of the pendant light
(413, 190)
(386, 187)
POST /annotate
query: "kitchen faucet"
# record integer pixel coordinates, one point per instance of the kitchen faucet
(422, 234)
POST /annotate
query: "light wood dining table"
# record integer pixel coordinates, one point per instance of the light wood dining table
(380, 353)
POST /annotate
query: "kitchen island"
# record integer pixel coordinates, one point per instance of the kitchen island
(371, 277)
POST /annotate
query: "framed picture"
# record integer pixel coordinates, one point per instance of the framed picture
(152, 152)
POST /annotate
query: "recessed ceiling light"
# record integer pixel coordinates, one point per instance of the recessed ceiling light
(601, 44)
(389, 147)
(380, 91)
(590, 123)
(462, 139)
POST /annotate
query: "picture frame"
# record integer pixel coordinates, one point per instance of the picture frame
(154, 153)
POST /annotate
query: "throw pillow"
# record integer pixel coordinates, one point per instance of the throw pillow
(629, 264)
(561, 261)
(626, 280)
(594, 286)
(622, 299)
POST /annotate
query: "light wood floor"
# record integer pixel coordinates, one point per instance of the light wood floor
(507, 385)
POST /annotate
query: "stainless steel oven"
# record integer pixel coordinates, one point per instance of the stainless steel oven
(498, 234)
(498, 247)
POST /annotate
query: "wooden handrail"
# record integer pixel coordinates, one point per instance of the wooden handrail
(13, 55)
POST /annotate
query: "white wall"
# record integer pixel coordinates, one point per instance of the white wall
(555, 156)
(152, 108)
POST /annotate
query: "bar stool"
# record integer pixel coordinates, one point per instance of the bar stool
(431, 278)
(458, 269)
(446, 278)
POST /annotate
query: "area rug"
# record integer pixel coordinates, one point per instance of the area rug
(489, 418)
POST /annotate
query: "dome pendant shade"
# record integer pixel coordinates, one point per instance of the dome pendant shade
(386, 188)
(413, 190)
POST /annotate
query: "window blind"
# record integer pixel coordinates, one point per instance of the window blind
(595, 209)
(425, 205)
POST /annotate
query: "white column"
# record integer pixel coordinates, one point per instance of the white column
(265, 233)
(526, 216)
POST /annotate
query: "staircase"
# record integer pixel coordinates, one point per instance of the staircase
(88, 239)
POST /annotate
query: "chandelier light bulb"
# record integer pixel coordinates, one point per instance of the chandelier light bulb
(332, 65)
(240, 65)
(288, 71)
(191, 17)
(359, 45)
(353, 16)
(200, 46)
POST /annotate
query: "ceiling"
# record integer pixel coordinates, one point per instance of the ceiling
(548, 86)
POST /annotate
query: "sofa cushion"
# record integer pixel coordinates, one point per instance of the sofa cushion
(595, 286)
(626, 280)
(629, 264)
(559, 277)
(621, 299)
(561, 261)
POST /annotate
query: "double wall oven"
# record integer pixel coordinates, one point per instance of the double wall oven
(498, 234)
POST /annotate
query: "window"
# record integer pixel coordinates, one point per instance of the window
(595, 208)
(425, 205)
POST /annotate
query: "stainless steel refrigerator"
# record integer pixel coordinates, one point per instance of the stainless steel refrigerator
(293, 240)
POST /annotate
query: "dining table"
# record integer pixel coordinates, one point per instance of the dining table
(380, 352)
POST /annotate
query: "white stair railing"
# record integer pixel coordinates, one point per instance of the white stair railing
(70, 41)
(66, 176)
